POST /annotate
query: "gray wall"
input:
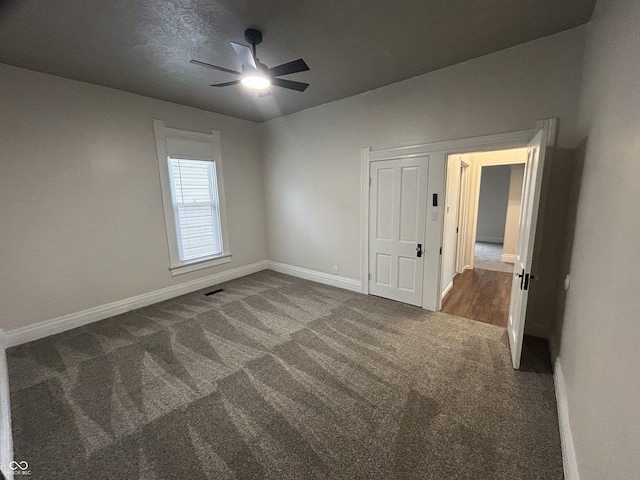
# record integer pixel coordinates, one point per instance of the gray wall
(313, 158)
(82, 219)
(492, 204)
(550, 236)
(600, 344)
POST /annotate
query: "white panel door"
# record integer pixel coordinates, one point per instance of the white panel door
(526, 235)
(397, 210)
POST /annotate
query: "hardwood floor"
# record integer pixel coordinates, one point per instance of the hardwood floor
(481, 295)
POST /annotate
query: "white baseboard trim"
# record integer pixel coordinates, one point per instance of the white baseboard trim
(446, 290)
(554, 348)
(45, 328)
(6, 438)
(482, 238)
(569, 460)
(509, 257)
(315, 276)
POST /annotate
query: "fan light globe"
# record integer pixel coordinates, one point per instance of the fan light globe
(257, 82)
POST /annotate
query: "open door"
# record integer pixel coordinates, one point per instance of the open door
(523, 275)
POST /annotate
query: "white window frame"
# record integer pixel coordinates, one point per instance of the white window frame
(187, 145)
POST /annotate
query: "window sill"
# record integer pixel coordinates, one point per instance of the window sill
(200, 264)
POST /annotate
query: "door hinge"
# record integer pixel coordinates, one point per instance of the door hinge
(457, 229)
(440, 250)
(368, 276)
(369, 181)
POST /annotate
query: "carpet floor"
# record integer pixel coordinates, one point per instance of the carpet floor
(488, 256)
(281, 378)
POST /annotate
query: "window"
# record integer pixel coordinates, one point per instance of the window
(192, 194)
(195, 207)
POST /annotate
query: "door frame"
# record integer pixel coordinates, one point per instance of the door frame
(431, 260)
(500, 141)
(463, 217)
(474, 201)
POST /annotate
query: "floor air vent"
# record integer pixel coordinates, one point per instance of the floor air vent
(214, 292)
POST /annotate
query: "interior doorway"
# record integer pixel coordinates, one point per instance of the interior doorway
(459, 240)
(494, 225)
(482, 208)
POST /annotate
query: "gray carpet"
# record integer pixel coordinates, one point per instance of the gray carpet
(281, 378)
(488, 256)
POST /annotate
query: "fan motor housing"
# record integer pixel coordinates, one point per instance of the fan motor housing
(253, 36)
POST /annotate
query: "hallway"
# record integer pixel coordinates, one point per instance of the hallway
(481, 295)
(488, 256)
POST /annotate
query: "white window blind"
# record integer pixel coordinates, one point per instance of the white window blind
(194, 190)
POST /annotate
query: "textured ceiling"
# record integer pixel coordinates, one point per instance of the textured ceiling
(351, 46)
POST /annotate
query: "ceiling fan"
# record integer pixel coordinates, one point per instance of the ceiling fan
(257, 75)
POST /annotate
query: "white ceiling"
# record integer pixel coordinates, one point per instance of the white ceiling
(351, 46)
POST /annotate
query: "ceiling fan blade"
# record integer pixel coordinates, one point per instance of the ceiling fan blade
(264, 93)
(289, 67)
(215, 67)
(225, 84)
(291, 85)
(244, 54)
